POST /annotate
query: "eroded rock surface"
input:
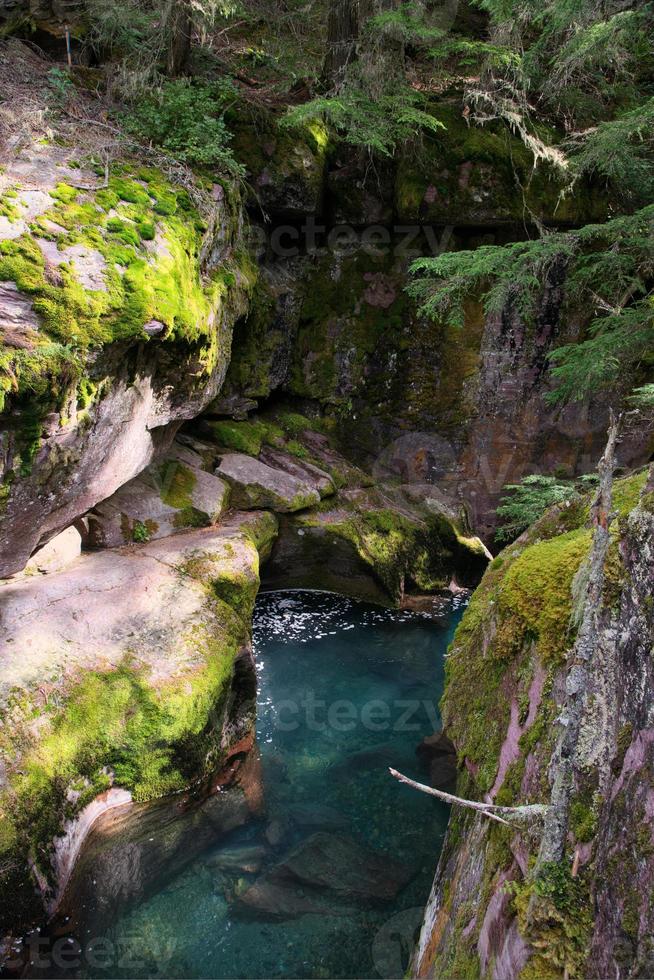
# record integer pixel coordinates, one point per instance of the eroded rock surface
(256, 484)
(170, 495)
(116, 314)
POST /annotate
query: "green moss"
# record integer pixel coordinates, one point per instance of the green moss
(536, 593)
(240, 592)
(247, 437)
(178, 483)
(403, 553)
(118, 720)
(583, 817)
(627, 491)
(127, 233)
(555, 916)
(243, 437)
(523, 600)
(64, 193)
(164, 285)
(8, 209)
(255, 344)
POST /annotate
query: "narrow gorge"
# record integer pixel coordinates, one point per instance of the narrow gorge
(326, 440)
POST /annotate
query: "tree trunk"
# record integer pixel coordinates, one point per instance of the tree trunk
(180, 26)
(345, 23)
(342, 37)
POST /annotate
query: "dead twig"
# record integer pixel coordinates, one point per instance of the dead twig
(507, 815)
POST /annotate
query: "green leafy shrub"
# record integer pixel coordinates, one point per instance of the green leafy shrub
(140, 532)
(187, 120)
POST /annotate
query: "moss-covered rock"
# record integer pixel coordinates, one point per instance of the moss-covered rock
(484, 176)
(286, 167)
(120, 300)
(376, 544)
(127, 690)
(509, 676)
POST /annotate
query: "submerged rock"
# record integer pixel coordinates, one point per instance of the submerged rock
(327, 863)
(316, 815)
(271, 899)
(248, 858)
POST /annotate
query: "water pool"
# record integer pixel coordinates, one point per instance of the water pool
(329, 878)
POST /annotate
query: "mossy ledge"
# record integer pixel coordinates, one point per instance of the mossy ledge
(141, 704)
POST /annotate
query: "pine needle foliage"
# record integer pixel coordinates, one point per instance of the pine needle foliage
(380, 124)
(609, 271)
(523, 503)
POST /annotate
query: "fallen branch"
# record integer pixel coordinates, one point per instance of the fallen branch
(95, 187)
(509, 814)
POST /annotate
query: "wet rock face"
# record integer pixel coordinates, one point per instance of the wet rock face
(464, 409)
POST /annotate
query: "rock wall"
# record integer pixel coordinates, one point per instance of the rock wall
(331, 326)
(510, 674)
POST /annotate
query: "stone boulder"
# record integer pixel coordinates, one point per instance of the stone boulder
(101, 366)
(270, 899)
(257, 485)
(168, 496)
(129, 668)
(327, 863)
(247, 858)
(57, 553)
(300, 468)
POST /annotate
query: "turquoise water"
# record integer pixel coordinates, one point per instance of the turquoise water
(341, 856)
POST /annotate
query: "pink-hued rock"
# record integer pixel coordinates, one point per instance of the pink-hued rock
(255, 485)
(59, 552)
(510, 747)
(114, 603)
(305, 472)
